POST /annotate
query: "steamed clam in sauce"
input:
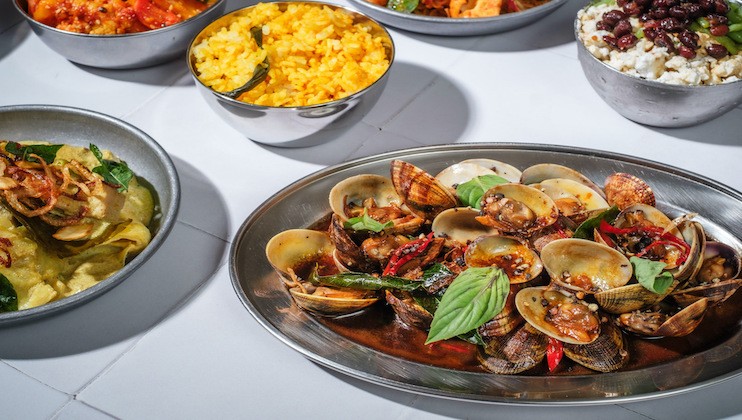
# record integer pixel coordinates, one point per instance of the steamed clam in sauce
(485, 267)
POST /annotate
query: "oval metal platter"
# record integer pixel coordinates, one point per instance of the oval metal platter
(304, 202)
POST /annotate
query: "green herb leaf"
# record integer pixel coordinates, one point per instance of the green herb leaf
(599, 2)
(586, 228)
(428, 302)
(470, 192)
(113, 172)
(473, 298)
(365, 222)
(8, 296)
(472, 337)
(650, 275)
(404, 6)
(364, 281)
(48, 152)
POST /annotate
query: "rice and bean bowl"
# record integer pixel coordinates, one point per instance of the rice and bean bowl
(665, 41)
(316, 54)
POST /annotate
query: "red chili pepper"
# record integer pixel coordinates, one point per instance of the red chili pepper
(664, 238)
(554, 353)
(405, 253)
(457, 347)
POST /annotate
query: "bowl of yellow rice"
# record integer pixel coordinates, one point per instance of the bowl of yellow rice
(291, 74)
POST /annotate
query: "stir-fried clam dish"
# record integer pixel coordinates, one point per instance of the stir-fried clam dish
(534, 267)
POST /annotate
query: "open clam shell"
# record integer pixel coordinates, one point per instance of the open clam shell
(572, 197)
(423, 195)
(542, 171)
(459, 224)
(296, 250)
(558, 315)
(586, 266)
(607, 353)
(505, 170)
(512, 255)
(356, 190)
(462, 172)
(659, 324)
(408, 310)
(517, 208)
(333, 301)
(628, 298)
(716, 279)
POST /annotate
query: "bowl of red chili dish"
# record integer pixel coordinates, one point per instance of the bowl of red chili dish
(119, 34)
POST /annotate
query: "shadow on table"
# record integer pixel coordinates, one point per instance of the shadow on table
(551, 31)
(165, 74)
(158, 288)
(724, 131)
(440, 119)
(13, 30)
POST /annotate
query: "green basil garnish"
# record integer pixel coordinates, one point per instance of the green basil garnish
(48, 152)
(473, 298)
(404, 6)
(8, 296)
(650, 275)
(364, 281)
(586, 228)
(113, 172)
(366, 222)
(470, 192)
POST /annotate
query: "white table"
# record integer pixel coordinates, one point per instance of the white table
(174, 340)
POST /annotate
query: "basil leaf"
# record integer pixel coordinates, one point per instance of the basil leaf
(366, 222)
(364, 281)
(113, 172)
(8, 296)
(473, 298)
(48, 152)
(650, 275)
(428, 302)
(472, 337)
(404, 6)
(586, 228)
(470, 192)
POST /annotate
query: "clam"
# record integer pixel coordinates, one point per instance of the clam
(505, 321)
(512, 255)
(572, 198)
(522, 349)
(558, 314)
(505, 170)
(623, 190)
(660, 322)
(347, 253)
(585, 266)
(543, 171)
(356, 191)
(462, 172)
(460, 225)
(607, 353)
(517, 208)
(630, 297)
(408, 310)
(294, 253)
(424, 195)
(716, 278)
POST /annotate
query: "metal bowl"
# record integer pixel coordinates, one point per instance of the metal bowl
(125, 51)
(655, 103)
(293, 126)
(444, 26)
(144, 156)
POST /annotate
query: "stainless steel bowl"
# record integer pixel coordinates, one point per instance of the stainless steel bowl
(144, 156)
(293, 126)
(655, 103)
(126, 51)
(443, 26)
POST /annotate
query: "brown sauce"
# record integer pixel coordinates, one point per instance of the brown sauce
(378, 328)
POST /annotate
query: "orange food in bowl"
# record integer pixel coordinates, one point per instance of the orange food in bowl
(108, 17)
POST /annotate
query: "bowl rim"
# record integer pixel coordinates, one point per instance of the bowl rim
(147, 33)
(336, 102)
(168, 217)
(653, 83)
(457, 21)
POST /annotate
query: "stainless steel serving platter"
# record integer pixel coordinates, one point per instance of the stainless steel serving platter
(444, 26)
(305, 202)
(148, 160)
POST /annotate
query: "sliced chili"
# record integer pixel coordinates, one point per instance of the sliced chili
(665, 238)
(405, 253)
(554, 353)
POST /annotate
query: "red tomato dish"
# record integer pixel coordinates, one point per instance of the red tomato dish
(107, 17)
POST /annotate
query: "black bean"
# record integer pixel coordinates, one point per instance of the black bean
(659, 13)
(719, 30)
(686, 52)
(671, 24)
(689, 39)
(650, 33)
(663, 40)
(611, 40)
(602, 26)
(707, 5)
(694, 10)
(717, 50)
(627, 41)
(678, 12)
(721, 7)
(622, 28)
(632, 9)
(613, 16)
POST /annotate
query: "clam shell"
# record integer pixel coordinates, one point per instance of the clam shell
(715, 293)
(542, 171)
(506, 320)
(568, 191)
(462, 172)
(607, 353)
(591, 267)
(533, 303)
(341, 301)
(460, 224)
(543, 208)
(516, 352)
(296, 247)
(407, 310)
(629, 298)
(513, 256)
(505, 170)
(624, 190)
(678, 325)
(358, 188)
(421, 192)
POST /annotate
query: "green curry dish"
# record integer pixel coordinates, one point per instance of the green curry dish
(113, 172)
(8, 296)
(47, 152)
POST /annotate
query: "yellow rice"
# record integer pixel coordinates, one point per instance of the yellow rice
(316, 55)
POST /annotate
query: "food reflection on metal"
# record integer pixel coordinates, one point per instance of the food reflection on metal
(584, 276)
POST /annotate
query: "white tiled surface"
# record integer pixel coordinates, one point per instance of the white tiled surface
(173, 341)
